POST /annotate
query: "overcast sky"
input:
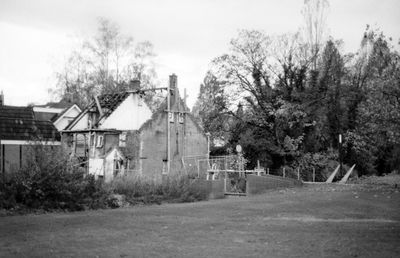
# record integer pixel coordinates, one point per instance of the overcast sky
(37, 34)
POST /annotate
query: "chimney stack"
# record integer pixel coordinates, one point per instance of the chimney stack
(173, 81)
(135, 84)
(1, 99)
(173, 86)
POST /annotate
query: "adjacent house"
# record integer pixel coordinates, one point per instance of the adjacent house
(118, 134)
(18, 129)
(59, 113)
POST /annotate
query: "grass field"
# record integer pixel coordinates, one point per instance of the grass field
(312, 221)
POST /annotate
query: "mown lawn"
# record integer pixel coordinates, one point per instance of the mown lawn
(312, 221)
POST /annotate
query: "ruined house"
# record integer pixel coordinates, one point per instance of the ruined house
(19, 129)
(118, 134)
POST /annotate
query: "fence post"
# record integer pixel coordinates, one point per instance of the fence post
(283, 171)
(225, 180)
(298, 173)
(313, 174)
(198, 168)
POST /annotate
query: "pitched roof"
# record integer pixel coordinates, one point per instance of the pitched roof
(108, 103)
(16, 112)
(51, 110)
(57, 116)
(18, 123)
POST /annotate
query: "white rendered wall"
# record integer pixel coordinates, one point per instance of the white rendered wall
(96, 167)
(82, 123)
(67, 118)
(131, 114)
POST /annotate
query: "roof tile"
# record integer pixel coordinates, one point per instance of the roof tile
(18, 123)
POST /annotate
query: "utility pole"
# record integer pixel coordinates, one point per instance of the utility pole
(340, 155)
(2, 161)
(168, 126)
(2, 170)
(184, 122)
(172, 86)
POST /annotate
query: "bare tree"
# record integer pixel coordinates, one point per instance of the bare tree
(315, 16)
(105, 62)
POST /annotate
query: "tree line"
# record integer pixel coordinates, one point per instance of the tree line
(286, 99)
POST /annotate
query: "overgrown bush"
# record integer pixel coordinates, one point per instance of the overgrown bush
(323, 163)
(146, 190)
(182, 189)
(136, 189)
(290, 172)
(49, 180)
(361, 152)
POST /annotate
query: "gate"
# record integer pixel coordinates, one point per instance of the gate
(228, 168)
(231, 170)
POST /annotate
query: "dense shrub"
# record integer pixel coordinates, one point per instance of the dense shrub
(48, 180)
(146, 190)
(360, 151)
(182, 189)
(136, 189)
(290, 172)
(323, 163)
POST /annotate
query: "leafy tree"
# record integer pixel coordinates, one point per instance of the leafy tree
(251, 70)
(210, 108)
(379, 113)
(323, 101)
